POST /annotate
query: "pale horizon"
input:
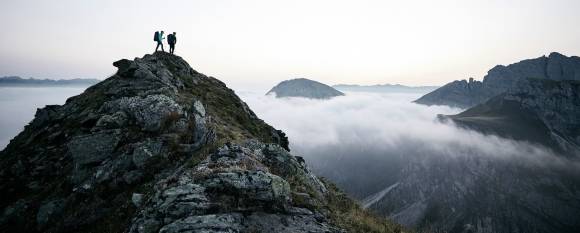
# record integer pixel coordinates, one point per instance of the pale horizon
(260, 43)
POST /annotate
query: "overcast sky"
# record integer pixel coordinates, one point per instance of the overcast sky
(260, 43)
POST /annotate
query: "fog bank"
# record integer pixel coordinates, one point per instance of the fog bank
(18, 105)
(363, 140)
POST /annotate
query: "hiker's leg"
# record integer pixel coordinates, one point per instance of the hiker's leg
(162, 47)
(157, 46)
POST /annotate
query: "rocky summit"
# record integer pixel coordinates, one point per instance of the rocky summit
(465, 94)
(306, 88)
(159, 147)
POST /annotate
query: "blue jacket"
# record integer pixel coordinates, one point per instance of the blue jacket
(160, 39)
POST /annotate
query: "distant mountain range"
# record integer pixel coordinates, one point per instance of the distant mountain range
(15, 81)
(384, 88)
(306, 88)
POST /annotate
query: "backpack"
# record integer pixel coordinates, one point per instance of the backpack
(156, 37)
(170, 39)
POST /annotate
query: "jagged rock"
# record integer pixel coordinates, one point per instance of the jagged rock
(499, 79)
(92, 148)
(233, 180)
(44, 115)
(306, 88)
(200, 133)
(114, 121)
(256, 186)
(212, 223)
(137, 199)
(144, 151)
(48, 212)
(150, 112)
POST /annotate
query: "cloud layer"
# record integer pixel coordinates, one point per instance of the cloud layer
(369, 136)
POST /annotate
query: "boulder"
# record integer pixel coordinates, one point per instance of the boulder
(92, 148)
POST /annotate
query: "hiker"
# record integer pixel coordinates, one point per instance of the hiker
(171, 40)
(159, 38)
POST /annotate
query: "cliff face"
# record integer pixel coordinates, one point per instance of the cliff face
(465, 94)
(159, 147)
(304, 88)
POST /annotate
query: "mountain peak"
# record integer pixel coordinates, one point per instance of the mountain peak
(159, 147)
(302, 87)
(556, 54)
(500, 78)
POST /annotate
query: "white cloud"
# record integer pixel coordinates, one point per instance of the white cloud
(373, 127)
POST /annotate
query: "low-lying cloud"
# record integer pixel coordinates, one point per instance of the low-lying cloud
(364, 136)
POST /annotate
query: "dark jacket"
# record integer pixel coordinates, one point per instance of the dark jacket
(171, 39)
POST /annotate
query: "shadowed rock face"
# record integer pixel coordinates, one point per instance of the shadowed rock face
(539, 111)
(158, 147)
(479, 194)
(304, 88)
(464, 94)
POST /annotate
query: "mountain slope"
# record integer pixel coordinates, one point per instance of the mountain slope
(159, 147)
(306, 88)
(474, 193)
(540, 111)
(471, 193)
(464, 94)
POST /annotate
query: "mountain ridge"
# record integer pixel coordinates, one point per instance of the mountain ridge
(159, 147)
(465, 94)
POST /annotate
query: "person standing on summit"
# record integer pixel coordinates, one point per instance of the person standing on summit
(159, 38)
(171, 40)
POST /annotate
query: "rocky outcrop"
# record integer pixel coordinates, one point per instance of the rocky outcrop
(464, 94)
(539, 111)
(238, 188)
(306, 88)
(159, 147)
